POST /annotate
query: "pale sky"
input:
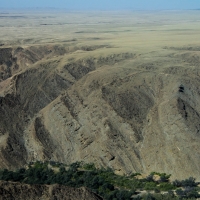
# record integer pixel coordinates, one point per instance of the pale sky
(103, 4)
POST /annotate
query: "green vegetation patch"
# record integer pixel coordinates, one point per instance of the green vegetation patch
(104, 181)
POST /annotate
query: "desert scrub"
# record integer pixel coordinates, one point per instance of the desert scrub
(102, 181)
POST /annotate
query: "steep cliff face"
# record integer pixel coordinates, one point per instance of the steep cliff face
(123, 110)
(11, 190)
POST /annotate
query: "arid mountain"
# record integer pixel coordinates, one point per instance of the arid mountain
(123, 98)
(11, 190)
(105, 108)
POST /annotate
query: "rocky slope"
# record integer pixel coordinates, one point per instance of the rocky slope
(130, 111)
(11, 190)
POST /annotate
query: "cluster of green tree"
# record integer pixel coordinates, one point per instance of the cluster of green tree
(103, 181)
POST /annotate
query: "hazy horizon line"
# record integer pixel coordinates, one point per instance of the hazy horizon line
(67, 9)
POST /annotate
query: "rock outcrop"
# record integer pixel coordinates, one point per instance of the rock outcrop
(12, 190)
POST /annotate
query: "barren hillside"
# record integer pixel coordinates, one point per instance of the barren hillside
(11, 190)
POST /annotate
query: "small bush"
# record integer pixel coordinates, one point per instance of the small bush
(89, 166)
(150, 186)
(166, 186)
